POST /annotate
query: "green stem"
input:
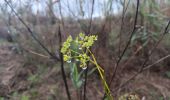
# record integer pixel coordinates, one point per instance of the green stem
(74, 51)
(101, 72)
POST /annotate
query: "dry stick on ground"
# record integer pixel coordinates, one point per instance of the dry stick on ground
(144, 67)
(128, 43)
(89, 29)
(35, 53)
(53, 56)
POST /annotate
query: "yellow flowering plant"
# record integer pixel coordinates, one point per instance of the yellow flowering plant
(78, 50)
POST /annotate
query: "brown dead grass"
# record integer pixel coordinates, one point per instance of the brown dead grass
(14, 74)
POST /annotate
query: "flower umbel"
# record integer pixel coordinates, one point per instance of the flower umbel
(82, 42)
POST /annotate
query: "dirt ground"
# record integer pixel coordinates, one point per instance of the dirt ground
(14, 74)
(9, 63)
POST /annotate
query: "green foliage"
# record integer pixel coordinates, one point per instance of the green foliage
(161, 98)
(34, 93)
(150, 11)
(145, 37)
(17, 96)
(24, 97)
(33, 79)
(167, 74)
(75, 76)
(1, 98)
(151, 21)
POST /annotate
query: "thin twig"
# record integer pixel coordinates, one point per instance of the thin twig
(128, 43)
(61, 15)
(35, 53)
(156, 45)
(62, 65)
(61, 55)
(143, 68)
(31, 32)
(89, 29)
(91, 17)
(131, 57)
(135, 75)
(122, 23)
(39, 42)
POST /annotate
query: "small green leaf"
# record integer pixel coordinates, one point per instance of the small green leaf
(24, 97)
(1, 98)
(167, 74)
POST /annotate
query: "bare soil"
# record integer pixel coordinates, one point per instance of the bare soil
(14, 74)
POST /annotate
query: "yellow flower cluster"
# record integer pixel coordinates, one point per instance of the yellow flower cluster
(81, 42)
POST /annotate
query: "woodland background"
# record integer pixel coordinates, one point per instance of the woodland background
(29, 72)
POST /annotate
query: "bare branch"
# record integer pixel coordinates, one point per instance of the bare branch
(122, 23)
(31, 32)
(88, 33)
(128, 43)
(62, 65)
(144, 67)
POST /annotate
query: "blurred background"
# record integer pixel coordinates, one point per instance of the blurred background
(27, 72)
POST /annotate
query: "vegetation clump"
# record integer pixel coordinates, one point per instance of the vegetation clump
(78, 50)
